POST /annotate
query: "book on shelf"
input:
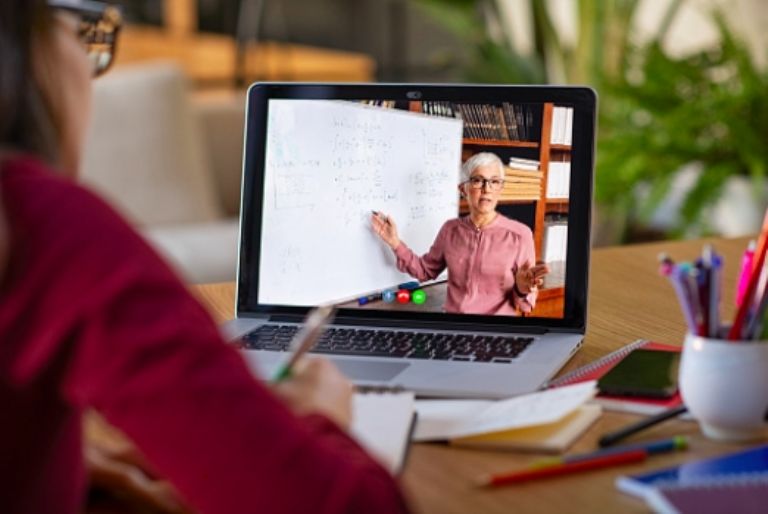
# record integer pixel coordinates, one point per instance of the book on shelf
(521, 164)
(631, 404)
(504, 122)
(726, 470)
(383, 422)
(555, 246)
(559, 179)
(545, 421)
(562, 125)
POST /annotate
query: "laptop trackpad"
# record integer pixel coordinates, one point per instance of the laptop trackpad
(377, 371)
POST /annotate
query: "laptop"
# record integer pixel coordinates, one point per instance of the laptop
(323, 162)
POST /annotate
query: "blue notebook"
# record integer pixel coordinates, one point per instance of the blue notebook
(746, 464)
(742, 495)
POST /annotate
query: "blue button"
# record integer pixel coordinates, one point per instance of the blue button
(388, 296)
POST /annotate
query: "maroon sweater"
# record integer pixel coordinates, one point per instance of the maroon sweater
(90, 316)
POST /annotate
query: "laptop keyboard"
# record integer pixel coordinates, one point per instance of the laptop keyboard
(394, 343)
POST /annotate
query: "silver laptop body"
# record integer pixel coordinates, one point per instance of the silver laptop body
(303, 140)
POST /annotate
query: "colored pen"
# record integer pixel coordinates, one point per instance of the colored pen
(715, 286)
(587, 461)
(663, 446)
(369, 298)
(614, 437)
(409, 285)
(757, 267)
(746, 270)
(567, 468)
(381, 215)
(673, 273)
(305, 339)
(753, 325)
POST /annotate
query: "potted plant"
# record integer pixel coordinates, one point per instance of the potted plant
(658, 113)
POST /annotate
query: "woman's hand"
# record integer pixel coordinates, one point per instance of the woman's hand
(529, 278)
(385, 228)
(114, 465)
(317, 386)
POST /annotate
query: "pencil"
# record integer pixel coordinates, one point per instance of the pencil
(567, 468)
(593, 460)
(305, 339)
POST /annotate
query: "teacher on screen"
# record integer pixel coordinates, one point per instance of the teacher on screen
(490, 258)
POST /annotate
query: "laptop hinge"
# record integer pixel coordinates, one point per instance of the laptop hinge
(418, 324)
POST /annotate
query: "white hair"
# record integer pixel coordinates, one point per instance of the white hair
(480, 159)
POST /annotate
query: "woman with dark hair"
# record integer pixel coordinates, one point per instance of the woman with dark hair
(90, 317)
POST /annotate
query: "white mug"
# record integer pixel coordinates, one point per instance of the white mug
(724, 384)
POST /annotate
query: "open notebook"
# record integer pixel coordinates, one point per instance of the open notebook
(545, 421)
(382, 423)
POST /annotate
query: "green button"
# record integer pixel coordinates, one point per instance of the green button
(419, 296)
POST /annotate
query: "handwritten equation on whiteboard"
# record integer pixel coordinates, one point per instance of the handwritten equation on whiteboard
(329, 164)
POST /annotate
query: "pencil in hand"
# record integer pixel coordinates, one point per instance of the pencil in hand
(305, 339)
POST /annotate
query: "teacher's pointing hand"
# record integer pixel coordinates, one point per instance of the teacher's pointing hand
(385, 228)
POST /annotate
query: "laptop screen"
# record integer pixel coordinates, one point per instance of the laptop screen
(419, 208)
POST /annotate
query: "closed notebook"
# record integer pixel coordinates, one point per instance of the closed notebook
(547, 421)
(383, 424)
(595, 370)
(745, 495)
(748, 463)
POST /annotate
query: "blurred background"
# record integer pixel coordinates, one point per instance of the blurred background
(683, 92)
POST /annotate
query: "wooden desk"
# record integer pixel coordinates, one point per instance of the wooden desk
(628, 300)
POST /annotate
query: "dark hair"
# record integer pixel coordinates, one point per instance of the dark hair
(27, 118)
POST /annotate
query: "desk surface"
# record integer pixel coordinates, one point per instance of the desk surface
(627, 300)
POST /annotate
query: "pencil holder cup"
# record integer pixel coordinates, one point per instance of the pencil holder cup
(724, 384)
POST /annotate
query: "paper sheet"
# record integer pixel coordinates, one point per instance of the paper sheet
(446, 419)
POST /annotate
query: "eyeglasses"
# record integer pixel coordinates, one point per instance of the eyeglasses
(494, 184)
(98, 26)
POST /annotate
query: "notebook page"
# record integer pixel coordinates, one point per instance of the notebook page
(450, 419)
(382, 424)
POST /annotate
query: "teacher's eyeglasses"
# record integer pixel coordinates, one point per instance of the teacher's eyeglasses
(98, 26)
(494, 184)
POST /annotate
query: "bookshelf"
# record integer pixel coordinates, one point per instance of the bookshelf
(545, 138)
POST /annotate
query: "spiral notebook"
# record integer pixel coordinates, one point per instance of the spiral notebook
(745, 495)
(596, 369)
(726, 470)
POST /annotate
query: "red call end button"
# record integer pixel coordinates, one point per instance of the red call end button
(403, 296)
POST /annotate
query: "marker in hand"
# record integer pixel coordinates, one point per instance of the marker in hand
(305, 339)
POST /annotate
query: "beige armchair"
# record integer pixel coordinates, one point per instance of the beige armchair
(170, 161)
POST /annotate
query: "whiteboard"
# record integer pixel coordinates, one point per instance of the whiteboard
(328, 165)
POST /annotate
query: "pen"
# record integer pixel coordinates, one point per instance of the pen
(381, 215)
(587, 461)
(673, 273)
(614, 437)
(662, 446)
(409, 285)
(746, 270)
(757, 267)
(305, 339)
(716, 266)
(563, 469)
(369, 298)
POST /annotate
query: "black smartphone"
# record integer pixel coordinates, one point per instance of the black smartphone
(649, 373)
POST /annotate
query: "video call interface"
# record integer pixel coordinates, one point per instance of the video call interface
(348, 183)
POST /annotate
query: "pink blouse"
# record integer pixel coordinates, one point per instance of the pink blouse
(481, 265)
